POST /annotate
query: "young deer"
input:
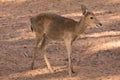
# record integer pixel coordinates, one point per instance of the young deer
(51, 26)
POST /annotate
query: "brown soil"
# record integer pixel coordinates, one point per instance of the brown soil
(96, 54)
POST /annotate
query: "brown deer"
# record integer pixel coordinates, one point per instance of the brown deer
(52, 26)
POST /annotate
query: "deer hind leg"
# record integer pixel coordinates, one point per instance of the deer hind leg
(69, 50)
(43, 51)
(38, 39)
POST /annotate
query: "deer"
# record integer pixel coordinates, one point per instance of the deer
(50, 26)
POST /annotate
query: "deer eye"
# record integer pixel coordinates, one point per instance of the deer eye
(91, 17)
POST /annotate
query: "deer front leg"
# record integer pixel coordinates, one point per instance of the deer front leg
(69, 50)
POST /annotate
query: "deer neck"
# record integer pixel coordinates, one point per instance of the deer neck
(81, 26)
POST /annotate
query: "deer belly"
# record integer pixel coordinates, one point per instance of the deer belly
(54, 35)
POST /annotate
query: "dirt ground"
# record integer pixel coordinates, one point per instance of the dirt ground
(96, 54)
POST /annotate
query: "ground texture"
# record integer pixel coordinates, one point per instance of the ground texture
(96, 54)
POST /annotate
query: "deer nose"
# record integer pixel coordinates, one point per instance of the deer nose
(100, 24)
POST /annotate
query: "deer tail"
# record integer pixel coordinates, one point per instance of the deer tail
(31, 25)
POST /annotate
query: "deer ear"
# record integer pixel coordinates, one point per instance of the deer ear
(84, 9)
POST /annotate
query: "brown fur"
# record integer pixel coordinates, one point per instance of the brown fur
(52, 26)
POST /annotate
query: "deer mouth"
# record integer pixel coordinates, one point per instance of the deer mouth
(99, 25)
